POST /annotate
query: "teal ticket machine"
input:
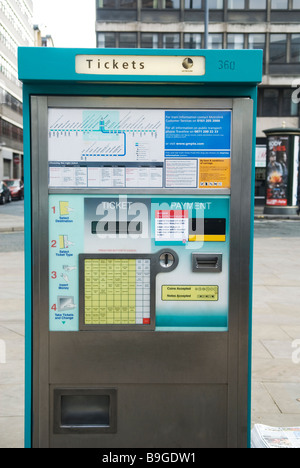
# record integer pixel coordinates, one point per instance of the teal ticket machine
(139, 206)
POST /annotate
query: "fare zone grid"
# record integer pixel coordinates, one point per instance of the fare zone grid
(116, 291)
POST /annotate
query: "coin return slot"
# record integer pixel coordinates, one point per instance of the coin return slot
(204, 263)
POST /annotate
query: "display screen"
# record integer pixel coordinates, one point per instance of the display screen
(117, 227)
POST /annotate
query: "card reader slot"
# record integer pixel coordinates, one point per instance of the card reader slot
(207, 263)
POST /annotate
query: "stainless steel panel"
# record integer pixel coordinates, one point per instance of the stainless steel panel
(40, 314)
(143, 357)
(160, 416)
(203, 375)
(140, 103)
(240, 235)
(122, 191)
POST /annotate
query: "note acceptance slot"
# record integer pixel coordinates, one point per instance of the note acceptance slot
(206, 263)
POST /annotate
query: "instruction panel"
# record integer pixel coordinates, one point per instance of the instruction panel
(132, 148)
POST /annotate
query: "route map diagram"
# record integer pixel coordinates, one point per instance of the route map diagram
(106, 135)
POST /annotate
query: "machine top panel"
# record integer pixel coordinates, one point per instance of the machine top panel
(39, 64)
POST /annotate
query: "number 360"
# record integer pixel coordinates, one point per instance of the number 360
(226, 65)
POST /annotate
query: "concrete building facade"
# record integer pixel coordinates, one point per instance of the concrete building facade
(15, 30)
(271, 25)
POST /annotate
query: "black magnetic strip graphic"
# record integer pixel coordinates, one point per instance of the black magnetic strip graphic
(207, 226)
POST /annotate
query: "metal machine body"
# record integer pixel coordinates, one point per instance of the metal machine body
(139, 251)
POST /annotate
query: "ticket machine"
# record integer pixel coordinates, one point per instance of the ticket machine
(139, 206)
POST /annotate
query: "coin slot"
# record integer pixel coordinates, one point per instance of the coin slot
(166, 260)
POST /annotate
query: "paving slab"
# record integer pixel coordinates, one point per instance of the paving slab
(11, 223)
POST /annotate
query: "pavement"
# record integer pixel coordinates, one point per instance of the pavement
(276, 332)
(276, 323)
(11, 223)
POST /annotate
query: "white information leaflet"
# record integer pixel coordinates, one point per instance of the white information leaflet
(171, 225)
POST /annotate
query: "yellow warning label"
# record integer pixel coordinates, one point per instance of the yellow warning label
(214, 173)
(189, 293)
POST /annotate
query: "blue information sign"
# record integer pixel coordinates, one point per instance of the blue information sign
(198, 133)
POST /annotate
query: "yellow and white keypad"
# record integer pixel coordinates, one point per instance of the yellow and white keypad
(116, 291)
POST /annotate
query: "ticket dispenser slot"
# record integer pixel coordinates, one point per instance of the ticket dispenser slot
(85, 411)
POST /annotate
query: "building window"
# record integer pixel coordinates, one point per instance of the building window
(127, 40)
(6, 168)
(257, 41)
(278, 48)
(193, 4)
(117, 4)
(235, 41)
(11, 131)
(192, 41)
(270, 102)
(279, 5)
(236, 4)
(106, 40)
(173, 4)
(161, 4)
(110, 4)
(171, 41)
(295, 48)
(296, 4)
(128, 4)
(257, 4)
(289, 108)
(149, 41)
(215, 41)
(215, 4)
(112, 40)
(276, 102)
(9, 71)
(149, 4)
(10, 101)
